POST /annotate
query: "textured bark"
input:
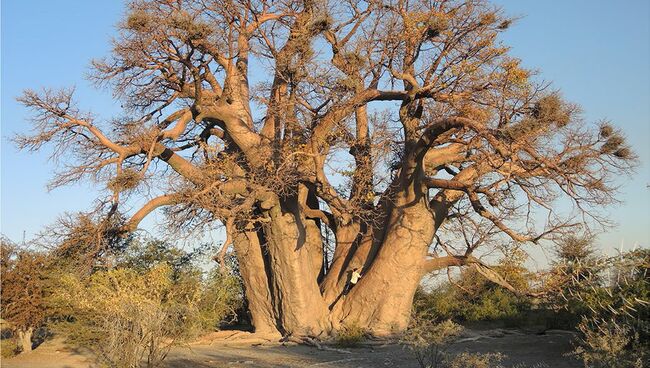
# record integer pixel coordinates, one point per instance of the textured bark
(255, 277)
(347, 238)
(382, 300)
(291, 241)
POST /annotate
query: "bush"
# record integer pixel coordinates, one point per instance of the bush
(609, 296)
(429, 340)
(126, 317)
(9, 348)
(220, 291)
(495, 303)
(129, 315)
(476, 360)
(474, 298)
(221, 298)
(606, 344)
(350, 335)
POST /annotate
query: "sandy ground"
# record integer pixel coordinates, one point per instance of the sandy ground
(223, 350)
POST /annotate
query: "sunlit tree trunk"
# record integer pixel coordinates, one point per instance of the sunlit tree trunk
(254, 270)
(25, 339)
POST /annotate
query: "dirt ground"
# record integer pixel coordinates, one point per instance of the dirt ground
(245, 350)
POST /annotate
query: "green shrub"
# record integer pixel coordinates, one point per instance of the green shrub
(131, 315)
(606, 344)
(221, 297)
(494, 304)
(474, 298)
(126, 317)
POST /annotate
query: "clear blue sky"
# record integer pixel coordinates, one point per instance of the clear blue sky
(596, 52)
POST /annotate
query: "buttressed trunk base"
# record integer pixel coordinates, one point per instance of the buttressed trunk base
(281, 274)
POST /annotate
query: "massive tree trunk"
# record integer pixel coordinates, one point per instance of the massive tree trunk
(283, 265)
(381, 301)
(292, 241)
(281, 275)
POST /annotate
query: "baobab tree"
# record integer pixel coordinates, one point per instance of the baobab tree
(395, 137)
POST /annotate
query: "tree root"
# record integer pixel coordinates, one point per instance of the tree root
(311, 341)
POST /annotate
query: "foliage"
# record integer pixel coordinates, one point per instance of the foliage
(429, 340)
(474, 298)
(610, 296)
(221, 293)
(153, 297)
(127, 315)
(23, 287)
(350, 335)
(221, 298)
(143, 254)
(124, 317)
(494, 304)
(8, 348)
(607, 343)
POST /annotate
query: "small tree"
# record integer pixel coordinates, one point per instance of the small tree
(23, 274)
(576, 276)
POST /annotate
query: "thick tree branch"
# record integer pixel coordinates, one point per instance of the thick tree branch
(230, 230)
(163, 200)
(183, 118)
(439, 263)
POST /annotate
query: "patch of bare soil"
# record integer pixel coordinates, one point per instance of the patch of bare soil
(52, 353)
(233, 349)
